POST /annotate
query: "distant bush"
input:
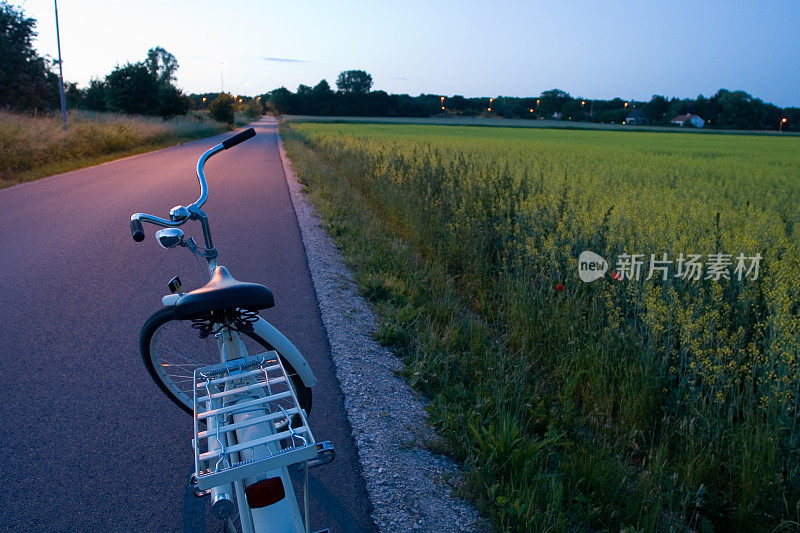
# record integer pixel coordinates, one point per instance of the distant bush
(222, 108)
(253, 109)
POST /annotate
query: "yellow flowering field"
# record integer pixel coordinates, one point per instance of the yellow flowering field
(668, 403)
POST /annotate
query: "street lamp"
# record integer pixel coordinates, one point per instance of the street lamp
(490, 103)
(442, 103)
(783, 121)
(60, 73)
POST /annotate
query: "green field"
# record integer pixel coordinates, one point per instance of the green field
(652, 405)
(499, 122)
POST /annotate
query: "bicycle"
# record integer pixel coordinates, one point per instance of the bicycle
(246, 385)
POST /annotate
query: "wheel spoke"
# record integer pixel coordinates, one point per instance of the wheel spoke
(176, 351)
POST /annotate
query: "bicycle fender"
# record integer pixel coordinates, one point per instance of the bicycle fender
(283, 346)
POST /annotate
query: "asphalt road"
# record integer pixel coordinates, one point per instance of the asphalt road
(88, 443)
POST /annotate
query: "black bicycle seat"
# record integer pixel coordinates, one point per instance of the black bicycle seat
(223, 292)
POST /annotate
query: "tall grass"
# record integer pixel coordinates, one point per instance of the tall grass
(34, 146)
(654, 405)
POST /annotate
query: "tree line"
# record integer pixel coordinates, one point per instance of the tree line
(725, 109)
(27, 80)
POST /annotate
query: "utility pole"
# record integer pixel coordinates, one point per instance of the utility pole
(60, 73)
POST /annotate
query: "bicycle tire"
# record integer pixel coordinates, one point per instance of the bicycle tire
(153, 358)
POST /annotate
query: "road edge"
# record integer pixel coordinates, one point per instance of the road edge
(410, 488)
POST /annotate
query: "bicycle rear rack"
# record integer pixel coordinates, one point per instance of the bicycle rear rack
(248, 406)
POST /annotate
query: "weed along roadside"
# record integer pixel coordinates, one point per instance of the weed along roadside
(652, 394)
(35, 147)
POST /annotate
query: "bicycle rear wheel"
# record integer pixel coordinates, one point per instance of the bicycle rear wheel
(172, 350)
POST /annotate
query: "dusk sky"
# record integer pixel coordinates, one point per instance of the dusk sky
(590, 49)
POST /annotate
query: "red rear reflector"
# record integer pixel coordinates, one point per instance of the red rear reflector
(265, 492)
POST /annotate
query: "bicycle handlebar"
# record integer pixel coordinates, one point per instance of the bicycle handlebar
(238, 138)
(137, 231)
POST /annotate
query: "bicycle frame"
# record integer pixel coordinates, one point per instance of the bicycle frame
(283, 515)
(276, 339)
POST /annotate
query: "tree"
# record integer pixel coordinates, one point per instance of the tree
(552, 101)
(792, 116)
(161, 65)
(131, 89)
(144, 88)
(222, 108)
(323, 98)
(739, 110)
(171, 101)
(24, 80)
(354, 82)
(281, 100)
(322, 89)
(656, 108)
(94, 96)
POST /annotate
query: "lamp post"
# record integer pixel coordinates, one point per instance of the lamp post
(490, 103)
(783, 121)
(60, 73)
(442, 100)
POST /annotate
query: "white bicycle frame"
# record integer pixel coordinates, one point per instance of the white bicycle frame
(283, 515)
(275, 338)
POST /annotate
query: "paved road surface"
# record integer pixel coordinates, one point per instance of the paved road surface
(88, 443)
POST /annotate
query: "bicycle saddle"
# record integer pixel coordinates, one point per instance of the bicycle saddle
(223, 292)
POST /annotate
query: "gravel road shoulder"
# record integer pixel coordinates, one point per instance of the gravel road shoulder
(410, 487)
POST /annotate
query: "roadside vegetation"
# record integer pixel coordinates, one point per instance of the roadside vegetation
(650, 405)
(33, 147)
(136, 108)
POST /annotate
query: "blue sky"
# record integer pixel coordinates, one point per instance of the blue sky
(590, 49)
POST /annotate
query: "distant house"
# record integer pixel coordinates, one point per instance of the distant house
(636, 117)
(693, 119)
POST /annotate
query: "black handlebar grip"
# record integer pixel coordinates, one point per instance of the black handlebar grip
(238, 138)
(137, 231)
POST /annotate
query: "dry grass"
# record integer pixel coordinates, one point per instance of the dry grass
(34, 147)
